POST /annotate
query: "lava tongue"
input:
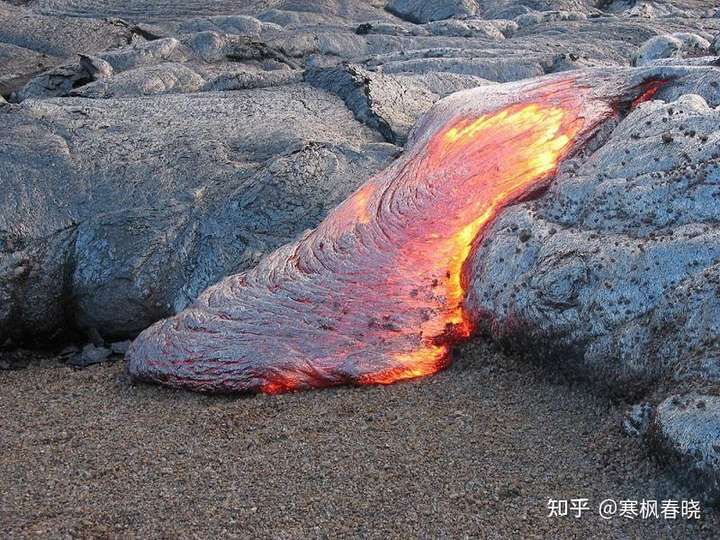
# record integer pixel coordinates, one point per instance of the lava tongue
(374, 294)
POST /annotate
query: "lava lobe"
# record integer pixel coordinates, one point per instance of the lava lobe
(375, 293)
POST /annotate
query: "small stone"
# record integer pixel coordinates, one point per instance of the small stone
(95, 337)
(686, 429)
(69, 350)
(120, 347)
(90, 355)
(667, 138)
(363, 29)
(637, 419)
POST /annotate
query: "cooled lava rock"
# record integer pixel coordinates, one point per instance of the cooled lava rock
(375, 293)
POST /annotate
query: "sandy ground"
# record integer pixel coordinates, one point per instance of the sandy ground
(474, 451)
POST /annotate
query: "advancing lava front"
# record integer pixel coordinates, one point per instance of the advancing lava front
(375, 293)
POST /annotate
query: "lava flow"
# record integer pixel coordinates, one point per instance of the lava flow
(375, 293)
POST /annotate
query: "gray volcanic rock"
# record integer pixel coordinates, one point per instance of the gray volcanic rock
(494, 69)
(637, 420)
(91, 355)
(323, 33)
(115, 213)
(538, 17)
(581, 272)
(31, 43)
(678, 45)
(162, 11)
(163, 79)
(60, 37)
(421, 11)
(469, 28)
(615, 272)
(163, 66)
(389, 103)
(242, 25)
(144, 54)
(60, 80)
(686, 430)
(55, 82)
(19, 65)
(244, 79)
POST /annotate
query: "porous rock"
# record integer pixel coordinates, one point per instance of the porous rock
(618, 239)
(684, 430)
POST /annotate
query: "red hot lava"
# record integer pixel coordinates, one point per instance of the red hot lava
(375, 293)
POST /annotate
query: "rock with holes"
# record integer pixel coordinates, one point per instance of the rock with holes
(593, 272)
(685, 429)
(117, 212)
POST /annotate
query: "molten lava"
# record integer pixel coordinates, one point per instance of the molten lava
(472, 152)
(375, 293)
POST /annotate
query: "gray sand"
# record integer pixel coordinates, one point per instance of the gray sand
(474, 451)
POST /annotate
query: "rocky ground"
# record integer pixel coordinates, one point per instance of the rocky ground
(150, 148)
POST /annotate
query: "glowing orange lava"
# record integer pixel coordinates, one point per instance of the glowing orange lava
(375, 293)
(499, 156)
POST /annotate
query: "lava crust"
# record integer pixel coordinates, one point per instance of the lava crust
(375, 293)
